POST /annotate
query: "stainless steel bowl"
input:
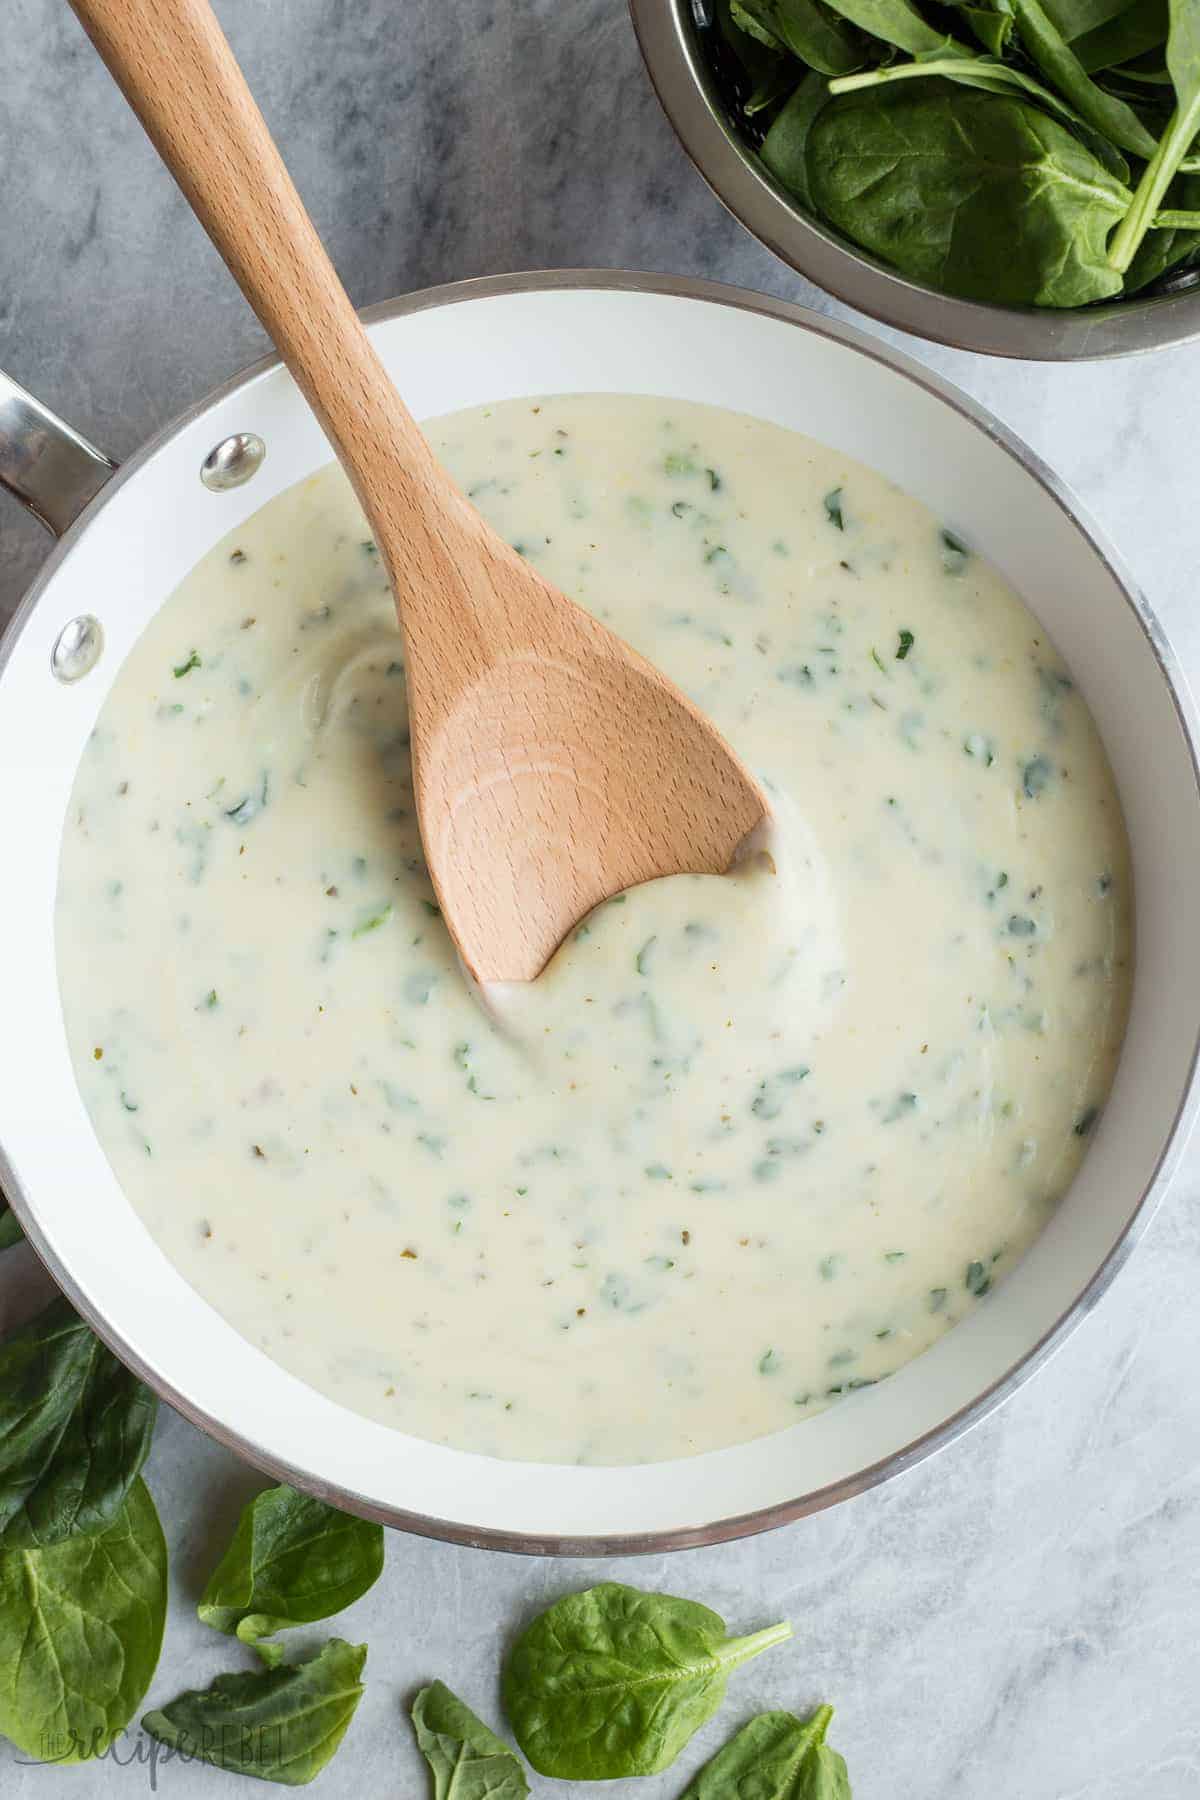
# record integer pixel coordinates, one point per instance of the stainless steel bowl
(671, 32)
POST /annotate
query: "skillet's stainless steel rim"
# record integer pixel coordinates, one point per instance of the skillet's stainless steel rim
(748, 1523)
(667, 33)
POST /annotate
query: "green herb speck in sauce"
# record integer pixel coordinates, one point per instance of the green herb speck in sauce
(833, 508)
(250, 805)
(768, 1363)
(1035, 777)
(373, 921)
(907, 640)
(185, 668)
(900, 1108)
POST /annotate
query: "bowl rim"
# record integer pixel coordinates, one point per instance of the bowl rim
(687, 90)
(767, 1518)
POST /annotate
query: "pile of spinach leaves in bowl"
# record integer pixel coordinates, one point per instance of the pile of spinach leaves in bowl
(1021, 152)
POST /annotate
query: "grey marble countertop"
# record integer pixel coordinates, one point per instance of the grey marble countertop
(1016, 1617)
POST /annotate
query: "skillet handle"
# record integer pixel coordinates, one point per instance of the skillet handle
(48, 466)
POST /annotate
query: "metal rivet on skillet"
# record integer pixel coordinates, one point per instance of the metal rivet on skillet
(77, 648)
(231, 462)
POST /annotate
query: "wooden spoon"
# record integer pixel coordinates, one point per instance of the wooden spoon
(552, 766)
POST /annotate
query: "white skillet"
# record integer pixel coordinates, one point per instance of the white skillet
(464, 346)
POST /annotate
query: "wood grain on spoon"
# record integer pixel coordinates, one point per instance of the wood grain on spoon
(552, 766)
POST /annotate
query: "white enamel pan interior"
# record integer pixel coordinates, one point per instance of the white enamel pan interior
(488, 341)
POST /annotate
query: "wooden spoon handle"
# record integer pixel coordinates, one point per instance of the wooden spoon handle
(178, 73)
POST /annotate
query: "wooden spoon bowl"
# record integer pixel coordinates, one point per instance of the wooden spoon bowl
(552, 766)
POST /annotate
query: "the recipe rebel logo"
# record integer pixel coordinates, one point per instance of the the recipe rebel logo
(245, 1749)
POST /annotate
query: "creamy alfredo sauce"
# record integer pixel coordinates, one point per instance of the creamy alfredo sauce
(751, 1143)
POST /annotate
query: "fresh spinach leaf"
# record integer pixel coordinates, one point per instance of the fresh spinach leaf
(898, 22)
(614, 1681)
(992, 25)
(1050, 52)
(975, 193)
(466, 1760)
(10, 1231)
(292, 1560)
(768, 67)
(75, 1427)
(775, 1757)
(1141, 27)
(785, 145)
(1075, 18)
(773, 87)
(1146, 71)
(1159, 252)
(1183, 62)
(81, 1624)
(991, 77)
(746, 21)
(280, 1724)
(810, 30)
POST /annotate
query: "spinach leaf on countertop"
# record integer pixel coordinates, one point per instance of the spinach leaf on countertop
(775, 1757)
(614, 1681)
(292, 1560)
(281, 1724)
(81, 1625)
(977, 194)
(466, 1760)
(75, 1427)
